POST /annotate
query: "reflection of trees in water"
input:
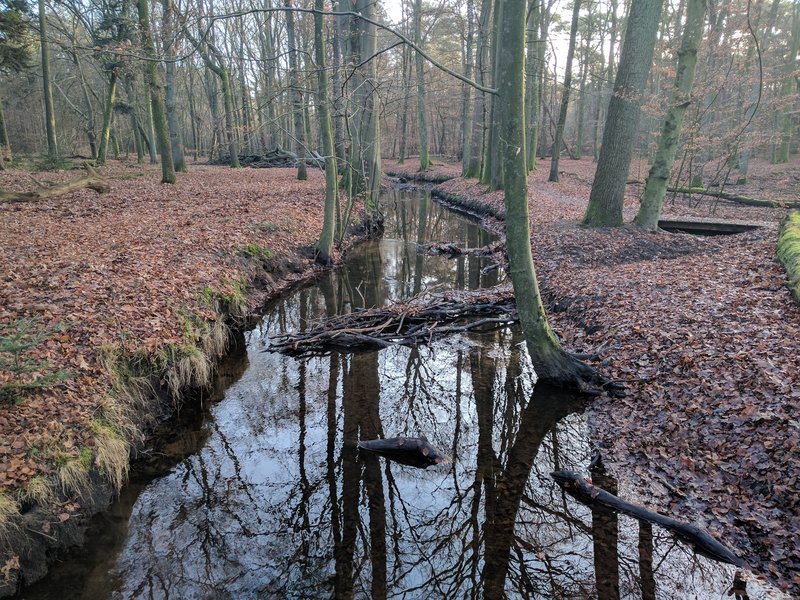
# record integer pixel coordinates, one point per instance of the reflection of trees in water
(279, 503)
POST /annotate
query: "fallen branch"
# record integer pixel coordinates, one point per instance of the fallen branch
(746, 200)
(91, 180)
(591, 495)
(453, 250)
(419, 321)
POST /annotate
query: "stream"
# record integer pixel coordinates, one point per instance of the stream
(263, 494)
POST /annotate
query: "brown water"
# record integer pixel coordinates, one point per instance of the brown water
(265, 496)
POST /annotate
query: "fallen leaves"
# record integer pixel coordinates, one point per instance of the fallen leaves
(706, 336)
(125, 269)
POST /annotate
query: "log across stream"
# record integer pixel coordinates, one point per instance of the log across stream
(265, 494)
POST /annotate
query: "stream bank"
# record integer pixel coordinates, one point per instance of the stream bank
(275, 501)
(705, 335)
(143, 294)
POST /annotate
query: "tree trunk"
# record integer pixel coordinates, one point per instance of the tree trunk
(49, 111)
(479, 109)
(467, 90)
(227, 103)
(325, 244)
(108, 116)
(533, 69)
(90, 123)
(492, 173)
(150, 132)
(552, 364)
(365, 158)
(562, 115)
(404, 110)
(608, 189)
(789, 88)
(156, 100)
(5, 145)
(656, 187)
(168, 41)
(582, 92)
(338, 127)
(297, 96)
(422, 123)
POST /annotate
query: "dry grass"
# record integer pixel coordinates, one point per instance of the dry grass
(112, 452)
(40, 491)
(8, 508)
(73, 477)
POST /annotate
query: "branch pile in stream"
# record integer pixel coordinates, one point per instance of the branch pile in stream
(420, 320)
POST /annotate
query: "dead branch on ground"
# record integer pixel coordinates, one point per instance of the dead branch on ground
(91, 180)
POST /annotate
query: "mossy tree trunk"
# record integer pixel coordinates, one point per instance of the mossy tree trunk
(325, 244)
(49, 111)
(558, 140)
(297, 96)
(492, 173)
(108, 117)
(477, 135)
(156, 96)
(168, 40)
(789, 251)
(608, 189)
(422, 121)
(552, 364)
(656, 187)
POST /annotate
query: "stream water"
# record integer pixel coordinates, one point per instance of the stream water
(264, 495)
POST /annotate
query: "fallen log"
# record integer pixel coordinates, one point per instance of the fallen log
(738, 199)
(702, 542)
(419, 321)
(91, 180)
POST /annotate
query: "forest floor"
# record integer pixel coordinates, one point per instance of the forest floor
(706, 337)
(702, 329)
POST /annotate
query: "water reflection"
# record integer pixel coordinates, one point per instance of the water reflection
(278, 502)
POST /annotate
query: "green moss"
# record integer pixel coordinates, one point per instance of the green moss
(789, 251)
(229, 299)
(86, 458)
(253, 250)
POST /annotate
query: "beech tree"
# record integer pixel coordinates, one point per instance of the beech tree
(552, 363)
(297, 96)
(562, 115)
(325, 244)
(419, 64)
(49, 111)
(156, 98)
(14, 58)
(650, 209)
